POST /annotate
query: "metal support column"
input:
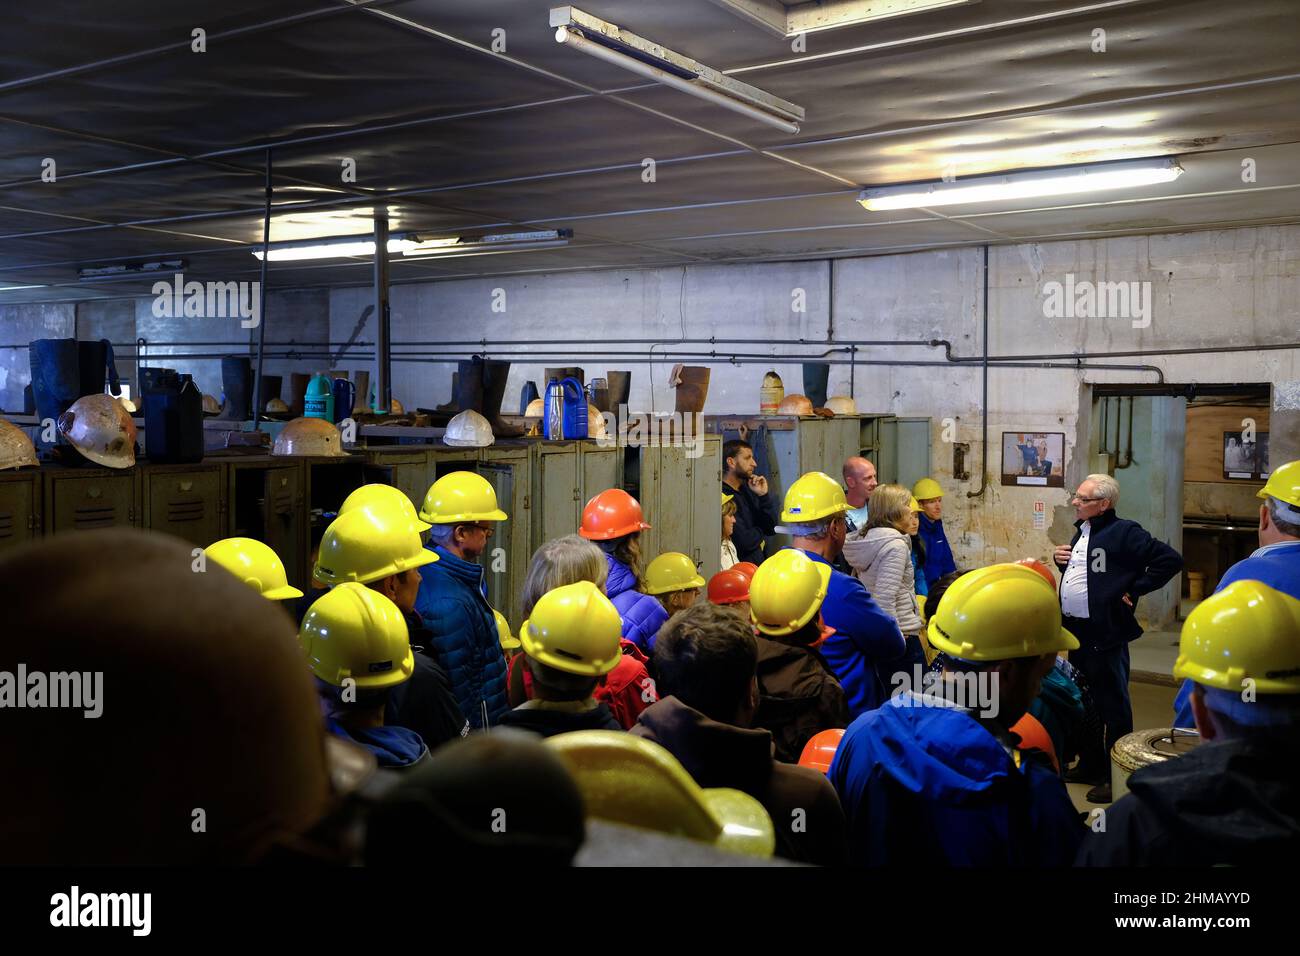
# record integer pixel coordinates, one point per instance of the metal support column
(261, 304)
(383, 337)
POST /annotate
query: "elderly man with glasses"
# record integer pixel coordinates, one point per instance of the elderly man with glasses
(1109, 564)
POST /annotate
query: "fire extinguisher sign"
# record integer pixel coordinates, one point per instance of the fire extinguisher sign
(1040, 515)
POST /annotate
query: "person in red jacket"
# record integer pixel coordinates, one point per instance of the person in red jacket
(627, 689)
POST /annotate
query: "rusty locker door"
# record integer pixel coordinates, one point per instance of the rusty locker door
(20, 520)
(185, 502)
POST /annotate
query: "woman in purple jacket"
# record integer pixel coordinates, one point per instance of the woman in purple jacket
(613, 520)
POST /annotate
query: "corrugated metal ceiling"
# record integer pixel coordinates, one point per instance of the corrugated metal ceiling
(160, 149)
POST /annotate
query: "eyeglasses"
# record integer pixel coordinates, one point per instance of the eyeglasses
(487, 529)
(1083, 498)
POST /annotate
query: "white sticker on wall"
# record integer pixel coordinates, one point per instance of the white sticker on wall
(1040, 515)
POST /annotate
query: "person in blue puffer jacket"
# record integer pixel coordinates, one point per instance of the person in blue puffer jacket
(461, 508)
(613, 520)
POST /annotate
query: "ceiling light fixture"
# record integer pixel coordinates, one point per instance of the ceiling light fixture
(130, 270)
(1058, 181)
(483, 244)
(789, 18)
(334, 248)
(607, 42)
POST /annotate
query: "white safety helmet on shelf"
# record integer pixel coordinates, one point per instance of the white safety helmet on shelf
(469, 429)
(842, 405)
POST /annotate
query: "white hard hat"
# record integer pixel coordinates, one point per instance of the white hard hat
(469, 429)
(842, 405)
(99, 427)
(312, 437)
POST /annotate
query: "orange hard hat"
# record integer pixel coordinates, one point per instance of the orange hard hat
(747, 568)
(729, 587)
(1033, 736)
(820, 749)
(611, 514)
(1041, 568)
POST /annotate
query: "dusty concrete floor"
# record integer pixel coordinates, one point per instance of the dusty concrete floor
(1153, 706)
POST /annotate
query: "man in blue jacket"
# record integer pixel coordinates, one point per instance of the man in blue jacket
(937, 551)
(866, 639)
(452, 600)
(936, 774)
(1276, 562)
(1108, 564)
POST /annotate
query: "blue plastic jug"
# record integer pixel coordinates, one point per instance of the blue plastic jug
(568, 401)
(319, 401)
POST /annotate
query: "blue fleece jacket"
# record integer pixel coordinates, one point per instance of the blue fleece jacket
(930, 785)
(394, 747)
(642, 614)
(452, 603)
(938, 554)
(864, 637)
(1278, 566)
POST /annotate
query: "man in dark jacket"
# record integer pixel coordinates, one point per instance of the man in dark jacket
(1235, 799)
(570, 642)
(1108, 564)
(756, 510)
(706, 658)
(452, 598)
(379, 546)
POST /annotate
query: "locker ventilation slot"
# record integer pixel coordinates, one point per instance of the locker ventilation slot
(186, 510)
(6, 525)
(94, 517)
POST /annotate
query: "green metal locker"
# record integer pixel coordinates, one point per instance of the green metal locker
(508, 469)
(83, 499)
(20, 518)
(557, 496)
(185, 500)
(406, 470)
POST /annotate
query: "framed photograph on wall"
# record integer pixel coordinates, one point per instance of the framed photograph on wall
(1245, 460)
(1033, 459)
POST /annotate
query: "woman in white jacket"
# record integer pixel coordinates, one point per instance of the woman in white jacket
(881, 556)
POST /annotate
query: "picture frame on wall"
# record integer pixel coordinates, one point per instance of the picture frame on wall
(1033, 459)
(1245, 460)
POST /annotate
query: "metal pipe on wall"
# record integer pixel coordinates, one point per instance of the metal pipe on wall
(984, 402)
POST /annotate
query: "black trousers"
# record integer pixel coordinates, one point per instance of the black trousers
(1107, 675)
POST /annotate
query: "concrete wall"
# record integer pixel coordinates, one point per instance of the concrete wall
(298, 316)
(1208, 290)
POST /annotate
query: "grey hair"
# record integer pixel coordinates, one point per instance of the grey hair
(1107, 487)
(1284, 523)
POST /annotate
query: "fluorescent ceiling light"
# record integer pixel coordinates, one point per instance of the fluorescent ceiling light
(339, 248)
(11, 288)
(607, 42)
(484, 244)
(1059, 181)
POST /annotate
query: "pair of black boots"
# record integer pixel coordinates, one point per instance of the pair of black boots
(480, 385)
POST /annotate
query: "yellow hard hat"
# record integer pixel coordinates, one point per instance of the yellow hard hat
(309, 437)
(726, 497)
(576, 629)
(913, 504)
(255, 564)
(383, 497)
(998, 613)
(925, 489)
(508, 641)
(812, 497)
(636, 782)
(1246, 631)
(353, 631)
(787, 592)
(461, 496)
(671, 571)
(367, 545)
(1284, 484)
